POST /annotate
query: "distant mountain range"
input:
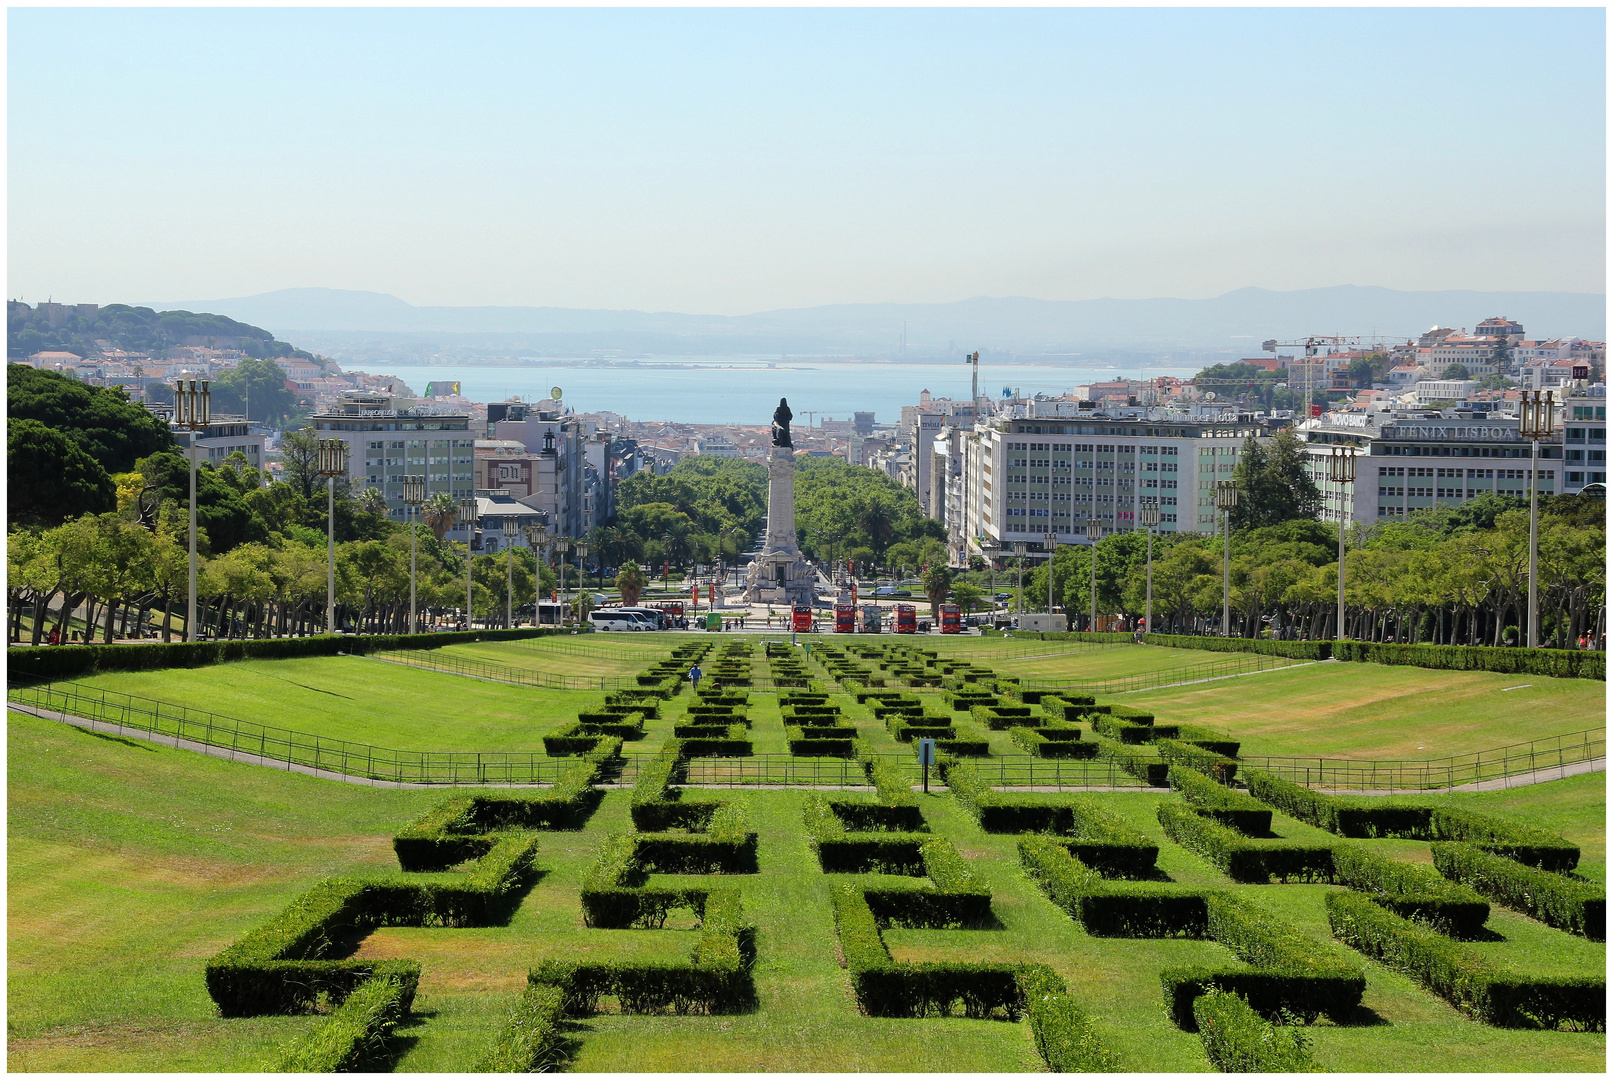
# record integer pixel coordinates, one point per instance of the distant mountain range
(1238, 320)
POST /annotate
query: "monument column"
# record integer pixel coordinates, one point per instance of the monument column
(779, 575)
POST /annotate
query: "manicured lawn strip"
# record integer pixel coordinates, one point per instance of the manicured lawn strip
(365, 700)
(508, 654)
(130, 864)
(1374, 711)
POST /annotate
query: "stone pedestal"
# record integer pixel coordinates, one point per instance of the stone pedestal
(779, 575)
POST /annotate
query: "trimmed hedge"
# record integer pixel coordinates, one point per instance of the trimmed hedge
(1238, 1039)
(1065, 1035)
(1555, 663)
(358, 1035)
(1579, 907)
(836, 741)
(1294, 972)
(62, 662)
(280, 967)
(1412, 891)
(1175, 752)
(1145, 767)
(1463, 977)
(1054, 742)
(455, 830)
(1231, 808)
(1108, 910)
(888, 778)
(1003, 717)
(1128, 732)
(1241, 858)
(885, 987)
(1294, 650)
(716, 979)
(530, 1040)
(1367, 818)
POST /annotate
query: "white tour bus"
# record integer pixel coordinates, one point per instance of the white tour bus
(616, 619)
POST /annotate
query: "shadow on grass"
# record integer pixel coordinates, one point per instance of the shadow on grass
(133, 743)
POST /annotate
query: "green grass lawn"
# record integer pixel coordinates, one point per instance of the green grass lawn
(132, 864)
(514, 655)
(364, 699)
(1378, 711)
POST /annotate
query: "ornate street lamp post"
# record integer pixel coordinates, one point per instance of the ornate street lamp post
(1019, 590)
(1341, 471)
(1536, 420)
(582, 582)
(1050, 540)
(1094, 534)
(537, 541)
(193, 411)
(414, 494)
(470, 514)
(1226, 500)
(1148, 518)
(512, 529)
(562, 545)
(332, 459)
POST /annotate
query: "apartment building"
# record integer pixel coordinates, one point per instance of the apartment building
(1408, 461)
(387, 443)
(1585, 438)
(1055, 467)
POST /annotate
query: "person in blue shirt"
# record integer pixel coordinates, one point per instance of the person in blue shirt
(694, 676)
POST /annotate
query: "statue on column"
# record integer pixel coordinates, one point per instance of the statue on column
(781, 424)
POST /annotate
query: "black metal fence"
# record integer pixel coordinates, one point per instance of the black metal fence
(1516, 760)
(478, 669)
(1242, 664)
(275, 745)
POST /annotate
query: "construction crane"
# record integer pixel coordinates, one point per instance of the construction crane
(1313, 345)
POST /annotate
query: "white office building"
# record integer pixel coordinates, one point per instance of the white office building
(386, 444)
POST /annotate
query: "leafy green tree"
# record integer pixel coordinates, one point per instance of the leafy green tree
(50, 478)
(102, 421)
(1273, 484)
(630, 583)
(256, 389)
(299, 457)
(966, 595)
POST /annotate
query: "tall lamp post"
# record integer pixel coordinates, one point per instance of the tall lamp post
(562, 545)
(332, 460)
(512, 529)
(1051, 540)
(537, 539)
(990, 548)
(582, 547)
(1148, 518)
(193, 411)
(1536, 420)
(1094, 534)
(414, 494)
(470, 514)
(1341, 471)
(1226, 501)
(1019, 590)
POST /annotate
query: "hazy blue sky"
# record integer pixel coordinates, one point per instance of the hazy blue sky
(734, 161)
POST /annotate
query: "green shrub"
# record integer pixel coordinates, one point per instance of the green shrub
(1003, 717)
(1237, 1039)
(1175, 752)
(1231, 808)
(1367, 818)
(888, 778)
(1412, 891)
(1064, 1034)
(358, 1035)
(1296, 650)
(1054, 742)
(1463, 977)
(1146, 767)
(1579, 907)
(530, 1040)
(1122, 731)
(1105, 909)
(1240, 857)
(1556, 663)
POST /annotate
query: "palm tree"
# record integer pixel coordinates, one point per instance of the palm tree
(630, 583)
(371, 501)
(439, 513)
(676, 542)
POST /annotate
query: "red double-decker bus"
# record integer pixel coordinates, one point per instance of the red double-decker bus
(951, 619)
(845, 618)
(801, 619)
(906, 619)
